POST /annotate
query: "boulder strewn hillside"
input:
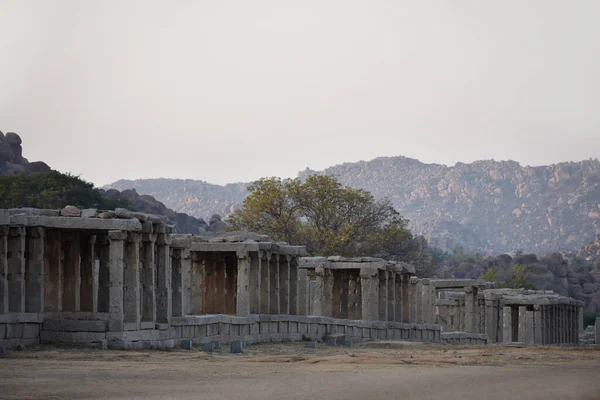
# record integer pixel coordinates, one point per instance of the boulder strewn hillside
(484, 206)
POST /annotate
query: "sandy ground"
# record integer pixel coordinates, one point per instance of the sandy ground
(292, 371)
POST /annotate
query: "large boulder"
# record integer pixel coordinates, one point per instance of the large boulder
(13, 138)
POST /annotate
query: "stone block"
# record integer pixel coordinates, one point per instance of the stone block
(31, 331)
(216, 344)
(237, 346)
(312, 344)
(186, 344)
(208, 347)
(336, 339)
(348, 343)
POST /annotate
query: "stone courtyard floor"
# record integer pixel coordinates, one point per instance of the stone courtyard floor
(375, 370)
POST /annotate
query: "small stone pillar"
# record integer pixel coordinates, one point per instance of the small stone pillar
(274, 286)
(178, 266)
(303, 282)
(293, 289)
(243, 283)
(148, 277)
(580, 326)
(254, 281)
(529, 328)
(369, 284)
(597, 331)
(115, 275)
(414, 300)
(284, 284)
(318, 295)
(383, 295)
(16, 268)
(405, 298)
(537, 324)
(131, 279)
(265, 282)
(471, 309)
(163, 278)
(522, 324)
(507, 324)
(88, 290)
(391, 296)
(4, 270)
(491, 329)
(197, 286)
(34, 298)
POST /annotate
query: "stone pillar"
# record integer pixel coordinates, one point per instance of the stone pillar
(507, 324)
(34, 298)
(391, 296)
(115, 272)
(471, 309)
(522, 324)
(490, 319)
(4, 270)
(265, 282)
(293, 291)
(186, 270)
(231, 278)
(88, 291)
(16, 270)
(274, 287)
(529, 328)
(178, 281)
(303, 282)
(336, 289)
(197, 284)
(597, 331)
(537, 324)
(352, 309)
(419, 303)
(317, 296)
(383, 295)
(405, 298)
(243, 284)
(163, 279)
(580, 326)
(254, 282)
(284, 284)
(71, 265)
(369, 284)
(414, 299)
(103, 250)
(131, 279)
(148, 277)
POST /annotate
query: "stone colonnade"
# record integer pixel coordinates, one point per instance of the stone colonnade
(359, 288)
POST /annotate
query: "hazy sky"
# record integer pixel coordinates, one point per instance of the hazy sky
(228, 91)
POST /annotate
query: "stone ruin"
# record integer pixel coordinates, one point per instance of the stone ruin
(126, 280)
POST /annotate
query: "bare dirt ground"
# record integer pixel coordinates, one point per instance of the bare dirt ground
(376, 370)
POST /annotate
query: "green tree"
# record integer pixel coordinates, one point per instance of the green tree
(327, 217)
(51, 190)
(517, 277)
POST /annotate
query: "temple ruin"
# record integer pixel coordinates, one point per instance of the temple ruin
(121, 279)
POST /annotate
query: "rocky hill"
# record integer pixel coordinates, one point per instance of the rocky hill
(489, 206)
(11, 157)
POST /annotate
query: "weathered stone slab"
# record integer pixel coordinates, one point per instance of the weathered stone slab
(77, 223)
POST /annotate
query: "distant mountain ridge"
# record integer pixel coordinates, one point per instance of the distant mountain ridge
(485, 206)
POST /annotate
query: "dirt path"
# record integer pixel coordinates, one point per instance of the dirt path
(291, 371)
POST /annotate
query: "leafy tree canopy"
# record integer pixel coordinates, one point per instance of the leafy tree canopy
(51, 190)
(330, 219)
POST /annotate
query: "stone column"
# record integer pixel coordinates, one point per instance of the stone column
(369, 284)
(4, 270)
(284, 284)
(405, 298)
(426, 298)
(391, 296)
(419, 304)
(529, 328)
(293, 291)
(352, 309)
(490, 318)
(303, 291)
(265, 282)
(414, 299)
(163, 279)
(580, 326)
(274, 287)
(148, 277)
(597, 331)
(131, 279)
(383, 295)
(178, 281)
(398, 299)
(254, 282)
(317, 297)
(231, 278)
(35, 271)
(243, 284)
(103, 250)
(507, 324)
(16, 269)
(336, 289)
(197, 284)
(88, 291)
(115, 272)
(522, 324)
(186, 271)
(537, 324)
(471, 309)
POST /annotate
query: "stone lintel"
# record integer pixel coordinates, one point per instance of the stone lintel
(117, 235)
(76, 223)
(224, 247)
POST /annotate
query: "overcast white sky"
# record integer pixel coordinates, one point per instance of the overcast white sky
(228, 91)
